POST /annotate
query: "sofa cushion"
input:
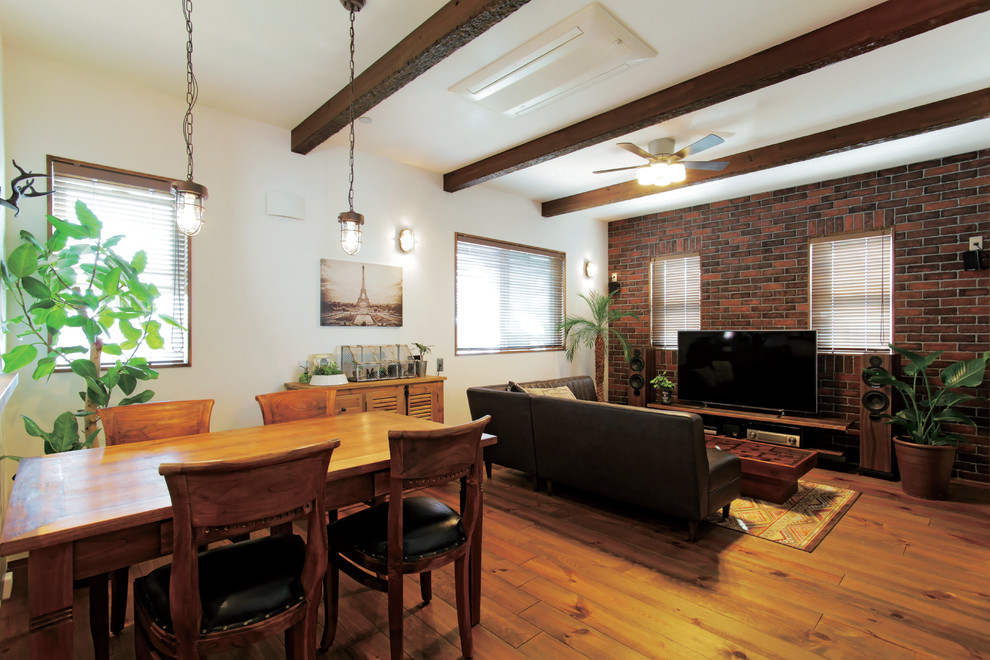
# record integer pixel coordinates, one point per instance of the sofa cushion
(514, 387)
(562, 392)
(583, 387)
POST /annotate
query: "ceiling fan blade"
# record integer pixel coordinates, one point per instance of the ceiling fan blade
(705, 164)
(632, 148)
(706, 142)
(618, 169)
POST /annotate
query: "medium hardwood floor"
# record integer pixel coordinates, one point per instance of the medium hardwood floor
(572, 576)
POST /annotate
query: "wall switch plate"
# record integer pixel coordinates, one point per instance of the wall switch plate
(439, 365)
(975, 242)
(615, 277)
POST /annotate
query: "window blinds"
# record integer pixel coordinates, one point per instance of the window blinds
(851, 292)
(675, 302)
(508, 297)
(142, 209)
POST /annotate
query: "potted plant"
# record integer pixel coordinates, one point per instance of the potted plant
(421, 357)
(594, 332)
(664, 386)
(326, 372)
(926, 450)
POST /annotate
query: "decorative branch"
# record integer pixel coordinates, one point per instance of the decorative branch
(22, 185)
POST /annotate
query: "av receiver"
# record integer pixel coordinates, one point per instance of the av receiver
(788, 439)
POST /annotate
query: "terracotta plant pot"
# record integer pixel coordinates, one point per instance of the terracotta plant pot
(925, 469)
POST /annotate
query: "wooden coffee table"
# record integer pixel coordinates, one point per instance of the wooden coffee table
(769, 472)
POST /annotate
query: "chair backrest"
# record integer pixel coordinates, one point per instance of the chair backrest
(291, 405)
(152, 421)
(429, 458)
(212, 500)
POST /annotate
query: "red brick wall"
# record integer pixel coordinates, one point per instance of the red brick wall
(754, 270)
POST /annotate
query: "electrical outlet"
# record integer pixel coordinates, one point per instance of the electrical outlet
(975, 242)
(439, 365)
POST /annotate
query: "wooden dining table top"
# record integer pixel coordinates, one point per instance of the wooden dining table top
(64, 497)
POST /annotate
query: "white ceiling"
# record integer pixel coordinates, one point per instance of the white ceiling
(278, 61)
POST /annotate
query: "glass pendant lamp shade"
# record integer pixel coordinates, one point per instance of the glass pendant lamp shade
(350, 231)
(189, 198)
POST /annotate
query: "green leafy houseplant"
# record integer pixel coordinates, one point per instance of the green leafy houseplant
(75, 280)
(661, 382)
(326, 368)
(594, 332)
(927, 406)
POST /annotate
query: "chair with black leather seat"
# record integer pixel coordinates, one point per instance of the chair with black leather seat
(412, 534)
(121, 425)
(290, 405)
(238, 594)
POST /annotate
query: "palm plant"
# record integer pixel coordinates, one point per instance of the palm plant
(594, 332)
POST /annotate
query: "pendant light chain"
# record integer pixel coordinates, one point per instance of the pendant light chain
(192, 90)
(350, 110)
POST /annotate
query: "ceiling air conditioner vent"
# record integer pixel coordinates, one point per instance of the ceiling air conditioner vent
(587, 47)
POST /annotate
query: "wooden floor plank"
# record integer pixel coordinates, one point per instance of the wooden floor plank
(574, 576)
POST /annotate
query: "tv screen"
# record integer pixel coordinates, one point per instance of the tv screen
(766, 369)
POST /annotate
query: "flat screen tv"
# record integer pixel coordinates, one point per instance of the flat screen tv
(763, 369)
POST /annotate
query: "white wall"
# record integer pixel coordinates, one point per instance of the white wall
(255, 278)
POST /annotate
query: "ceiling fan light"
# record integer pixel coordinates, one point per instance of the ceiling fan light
(676, 172)
(646, 176)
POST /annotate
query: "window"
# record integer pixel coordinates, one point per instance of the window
(675, 301)
(508, 297)
(850, 292)
(142, 209)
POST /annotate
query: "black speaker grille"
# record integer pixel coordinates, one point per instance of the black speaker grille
(876, 402)
(636, 381)
(637, 364)
(871, 372)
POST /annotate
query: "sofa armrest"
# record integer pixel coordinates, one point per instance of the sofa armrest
(511, 422)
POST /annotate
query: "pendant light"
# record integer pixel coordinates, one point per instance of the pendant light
(189, 195)
(350, 220)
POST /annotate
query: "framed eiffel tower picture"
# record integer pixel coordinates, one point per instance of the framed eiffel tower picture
(355, 294)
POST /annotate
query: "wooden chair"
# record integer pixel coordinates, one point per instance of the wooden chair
(291, 405)
(125, 424)
(238, 594)
(412, 534)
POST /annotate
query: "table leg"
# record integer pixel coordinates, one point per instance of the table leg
(50, 602)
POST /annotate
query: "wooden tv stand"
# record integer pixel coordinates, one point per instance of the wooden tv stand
(831, 424)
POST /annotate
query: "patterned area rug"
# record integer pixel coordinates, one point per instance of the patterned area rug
(801, 522)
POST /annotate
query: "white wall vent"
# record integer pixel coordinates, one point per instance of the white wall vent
(585, 48)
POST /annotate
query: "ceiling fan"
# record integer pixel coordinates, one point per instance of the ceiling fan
(665, 166)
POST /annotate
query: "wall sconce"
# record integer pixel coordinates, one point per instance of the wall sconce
(590, 268)
(407, 240)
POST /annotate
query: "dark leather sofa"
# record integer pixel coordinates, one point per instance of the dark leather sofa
(646, 457)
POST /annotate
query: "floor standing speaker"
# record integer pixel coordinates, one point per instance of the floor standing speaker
(641, 371)
(875, 448)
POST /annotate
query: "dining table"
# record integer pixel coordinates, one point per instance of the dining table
(81, 514)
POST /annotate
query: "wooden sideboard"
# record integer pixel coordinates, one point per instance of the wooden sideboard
(416, 397)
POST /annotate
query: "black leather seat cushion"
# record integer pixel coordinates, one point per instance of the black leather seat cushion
(723, 468)
(429, 527)
(239, 584)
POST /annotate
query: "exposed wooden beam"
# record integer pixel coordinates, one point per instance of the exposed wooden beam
(455, 24)
(930, 117)
(872, 28)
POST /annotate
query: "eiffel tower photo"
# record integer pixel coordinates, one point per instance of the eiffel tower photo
(354, 294)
